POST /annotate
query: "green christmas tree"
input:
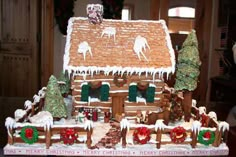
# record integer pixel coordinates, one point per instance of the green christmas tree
(188, 71)
(54, 102)
(188, 64)
(64, 83)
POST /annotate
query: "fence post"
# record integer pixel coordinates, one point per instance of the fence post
(218, 134)
(194, 135)
(10, 139)
(89, 139)
(158, 138)
(48, 137)
(123, 137)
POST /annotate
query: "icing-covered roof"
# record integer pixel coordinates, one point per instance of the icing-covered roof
(113, 46)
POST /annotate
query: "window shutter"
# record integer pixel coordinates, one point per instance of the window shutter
(85, 92)
(132, 93)
(150, 94)
(104, 92)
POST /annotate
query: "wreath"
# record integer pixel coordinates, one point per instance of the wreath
(206, 137)
(178, 134)
(29, 134)
(141, 135)
(120, 83)
(68, 136)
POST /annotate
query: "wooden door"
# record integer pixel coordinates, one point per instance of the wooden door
(19, 48)
(118, 100)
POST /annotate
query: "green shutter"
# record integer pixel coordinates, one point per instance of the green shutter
(104, 92)
(85, 93)
(132, 93)
(150, 94)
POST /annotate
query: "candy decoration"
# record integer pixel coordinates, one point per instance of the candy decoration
(206, 137)
(141, 135)
(178, 134)
(29, 134)
(68, 136)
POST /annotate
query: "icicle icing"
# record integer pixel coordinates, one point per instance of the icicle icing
(212, 115)
(88, 125)
(10, 124)
(160, 125)
(196, 126)
(124, 124)
(28, 104)
(224, 126)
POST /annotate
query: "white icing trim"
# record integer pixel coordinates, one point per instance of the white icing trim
(124, 124)
(224, 126)
(28, 105)
(160, 125)
(10, 123)
(88, 125)
(196, 126)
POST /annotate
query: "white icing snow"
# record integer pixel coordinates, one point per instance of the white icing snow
(133, 84)
(196, 126)
(36, 99)
(28, 104)
(159, 125)
(84, 48)
(106, 83)
(212, 115)
(42, 92)
(84, 83)
(19, 113)
(92, 100)
(194, 102)
(43, 118)
(10, 124)
(224, 126)
(140, 44)
(202, 110)
(140, 99)
(109, 31)
(124, 124)
(152, 85)
(88, 124)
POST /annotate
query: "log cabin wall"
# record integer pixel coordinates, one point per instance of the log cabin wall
(118, 96)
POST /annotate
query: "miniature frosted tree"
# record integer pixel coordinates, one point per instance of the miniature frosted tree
(188, 71)
(54, 102)
(64, 84)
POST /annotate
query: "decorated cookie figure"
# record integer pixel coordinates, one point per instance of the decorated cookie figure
(54, 102)
(188, 71)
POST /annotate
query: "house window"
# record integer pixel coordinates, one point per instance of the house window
(181, 20)
(95, 90)
(127, 12)
(141, 92)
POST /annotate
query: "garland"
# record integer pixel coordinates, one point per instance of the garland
(68, 136)
(178, 134)
(120, 83)
(141, 135)
(206, 137)
(29, 134)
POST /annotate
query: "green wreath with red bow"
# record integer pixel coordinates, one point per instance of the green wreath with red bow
(141, 135)
(178, 134)
(29, 134)
(206, 137)
(119, 83)
(68, 136)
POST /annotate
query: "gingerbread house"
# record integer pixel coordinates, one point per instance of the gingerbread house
(119, 65)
